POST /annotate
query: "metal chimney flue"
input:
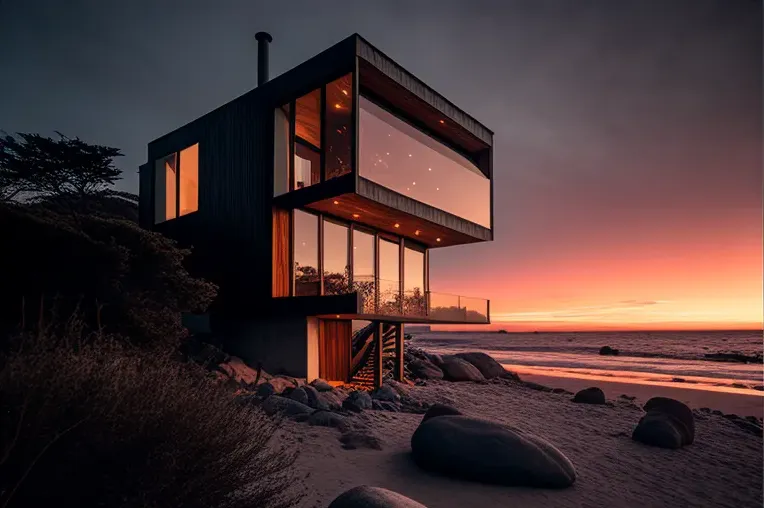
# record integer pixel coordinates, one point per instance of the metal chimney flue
(263, 39)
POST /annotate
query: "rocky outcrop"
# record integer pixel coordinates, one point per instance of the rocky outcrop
(386, 393)
(321, 385)
(300, 395)
(667, 424)
(424, 369)
(458, 369)
(487, 366)
(483, 451)
(373, 497)
(357, 401)
(608, 351)
(591, 395)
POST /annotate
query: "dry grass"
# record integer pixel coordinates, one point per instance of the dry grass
(96, 423)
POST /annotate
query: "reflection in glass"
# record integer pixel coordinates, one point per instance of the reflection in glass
(307, 166)
(281, 150)
(389, 277)
(305, 241)
(413, 283)
(339, 108)
(189, 179)
(398, 156)
(336, 268)
(363, 269)
(164, 188)
(308, 118)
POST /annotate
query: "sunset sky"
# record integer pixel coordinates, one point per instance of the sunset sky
(628, 134)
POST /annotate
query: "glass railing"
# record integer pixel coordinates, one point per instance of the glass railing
(385, 297)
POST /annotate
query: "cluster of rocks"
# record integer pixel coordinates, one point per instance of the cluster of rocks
(476, 366)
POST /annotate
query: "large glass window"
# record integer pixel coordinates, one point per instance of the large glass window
(176, 184)
(336, 267)
(281, 150)
(305, 241)
(338, 118)
(308, 118)
(364, 274)
(164, 188)
(389, 276)
(414, 303)
(307, 166)
(188, 193)
(398, 156)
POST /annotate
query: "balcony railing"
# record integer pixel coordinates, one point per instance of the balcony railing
(385, 297)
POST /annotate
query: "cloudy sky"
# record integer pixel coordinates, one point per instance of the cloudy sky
(627, 134)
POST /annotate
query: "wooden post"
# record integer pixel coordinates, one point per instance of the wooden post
(378, 340)
(399, 373)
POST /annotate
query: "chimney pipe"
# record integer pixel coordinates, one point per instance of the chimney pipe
(263, 38)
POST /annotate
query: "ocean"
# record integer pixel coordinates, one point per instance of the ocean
(657, 358)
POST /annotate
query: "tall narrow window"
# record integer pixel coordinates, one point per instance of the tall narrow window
(337, 122)
(281, 150)
(389, 277)
(305, 241)
(188, 193)
(307, 142)
(364, 274)
(413, 282)
(336, 267)
(164, 188)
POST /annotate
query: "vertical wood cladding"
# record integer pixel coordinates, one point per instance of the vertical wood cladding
(280, 253)
(334, 350)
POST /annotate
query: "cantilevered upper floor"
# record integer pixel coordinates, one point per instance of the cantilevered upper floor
(348, 135)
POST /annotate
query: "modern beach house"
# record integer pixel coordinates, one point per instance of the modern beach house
(315, 202)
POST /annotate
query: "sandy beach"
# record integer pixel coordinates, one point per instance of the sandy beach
(722, 468)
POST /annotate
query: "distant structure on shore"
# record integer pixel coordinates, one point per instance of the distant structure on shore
(418, 329)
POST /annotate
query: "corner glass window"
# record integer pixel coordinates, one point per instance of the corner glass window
(176, 184)
(307, 280)
(337, 122)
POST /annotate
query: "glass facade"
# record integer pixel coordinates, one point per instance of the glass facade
(338, 120)
(336, 258)
(398, 156)
(388, 283)
(176, 184)
(305, 241)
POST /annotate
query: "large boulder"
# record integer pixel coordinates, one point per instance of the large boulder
(300, 395)
(483, 451)
(487, 366)
(667, 424)
(327, 419)
(386, 393)
(314, 397)
(332, 399)
(265, 390)
(458, 369)
(677, 410)
(424, 369)
(357, 401)
(281, 383)
(591, 395)
(277, 404)
(321, 385)
(373, 497)
(440, 410)
(239, 371)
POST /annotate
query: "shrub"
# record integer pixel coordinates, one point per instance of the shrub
(99, 423)
(125, 279)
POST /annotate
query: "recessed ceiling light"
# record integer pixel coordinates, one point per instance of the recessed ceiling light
(416, 232)
(409, 155)
(397, 225)
(338, 316)
(429, 169)
(437, 239)
(336, 202)
(437, 188)
(442, 121)
(345, 92)
(338, 106)
(355, 215)
(413, 183)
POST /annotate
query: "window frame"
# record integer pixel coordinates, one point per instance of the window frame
(178, 169)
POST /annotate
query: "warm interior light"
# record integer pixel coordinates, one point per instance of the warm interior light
(397, 225)
(336, 202)
(416, 232)
(437, 239)
(345, 92)
(338, 316)
(355, 215)
(442, 121)
(338, 106)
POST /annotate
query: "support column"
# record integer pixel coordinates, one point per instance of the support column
(378, 345)
(399, 373)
